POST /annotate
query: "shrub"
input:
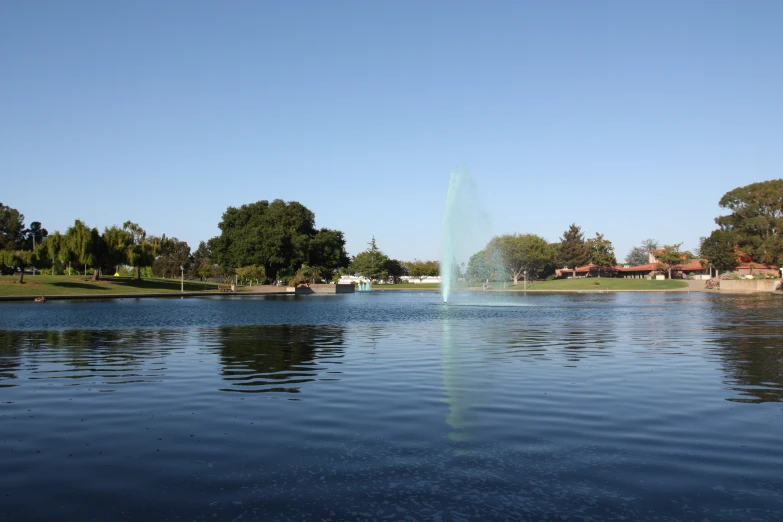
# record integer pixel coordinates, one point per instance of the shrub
(298, 279)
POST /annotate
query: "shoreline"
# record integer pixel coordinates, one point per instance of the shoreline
(379, 288)
(140, 295)
(157, 295)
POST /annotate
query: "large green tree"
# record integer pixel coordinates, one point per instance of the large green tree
(479, 268)
(172, 255)
(201, 261)
(53, 249)
(34, 235)
(327, 253)
(719, 250)
(756, 219)
(20, 259)
(639, 255)
(601, 253)
(11, 228)
(520, 253)
(11, 235)
(574, 250)
(422, 269)
(671, 258)
(251, 273)
(140, 251)
(117, 242)
(396, 269)
(274, 235)
(636, 256)
(84, 246)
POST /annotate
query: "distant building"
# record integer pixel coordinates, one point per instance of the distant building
(747, 267)
(405, 279)
(690, 269)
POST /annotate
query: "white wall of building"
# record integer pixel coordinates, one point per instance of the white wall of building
(407, 279)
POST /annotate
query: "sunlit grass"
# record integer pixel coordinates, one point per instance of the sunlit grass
(72, 285)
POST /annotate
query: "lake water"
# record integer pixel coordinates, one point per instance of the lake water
(392, 406)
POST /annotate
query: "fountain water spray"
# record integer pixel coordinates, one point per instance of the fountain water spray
(464, 226)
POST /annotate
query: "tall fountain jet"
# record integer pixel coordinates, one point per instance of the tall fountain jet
(464, 226)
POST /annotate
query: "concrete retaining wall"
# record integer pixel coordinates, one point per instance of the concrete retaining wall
(750, 285)
(325, 289)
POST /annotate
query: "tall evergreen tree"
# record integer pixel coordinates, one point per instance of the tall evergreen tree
(371, 263)
(573, 251)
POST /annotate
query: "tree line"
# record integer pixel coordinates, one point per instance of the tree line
(87, 248)
(752, 230)
(277, 240)
(514, 256)
(262, 241)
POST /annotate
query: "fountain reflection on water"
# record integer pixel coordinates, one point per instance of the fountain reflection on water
(454, 380)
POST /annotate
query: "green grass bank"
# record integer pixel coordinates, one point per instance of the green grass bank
(35, 285)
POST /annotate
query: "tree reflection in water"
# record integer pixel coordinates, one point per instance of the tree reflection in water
(750, 346)
(10, 357)
(88, 357)
(275, 358)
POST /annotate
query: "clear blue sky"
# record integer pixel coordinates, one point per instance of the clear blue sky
(630, 120)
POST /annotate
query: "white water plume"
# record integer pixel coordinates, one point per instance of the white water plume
(464, 228)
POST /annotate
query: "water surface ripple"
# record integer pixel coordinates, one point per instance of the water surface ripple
(392, 406)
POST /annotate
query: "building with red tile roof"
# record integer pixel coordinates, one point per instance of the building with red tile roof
(691, 268)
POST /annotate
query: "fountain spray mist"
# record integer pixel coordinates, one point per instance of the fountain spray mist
(464, 227)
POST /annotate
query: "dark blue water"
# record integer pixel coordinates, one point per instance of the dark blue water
(391, 406)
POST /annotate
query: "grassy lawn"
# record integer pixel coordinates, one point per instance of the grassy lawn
(594, 283)
(69, 285)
